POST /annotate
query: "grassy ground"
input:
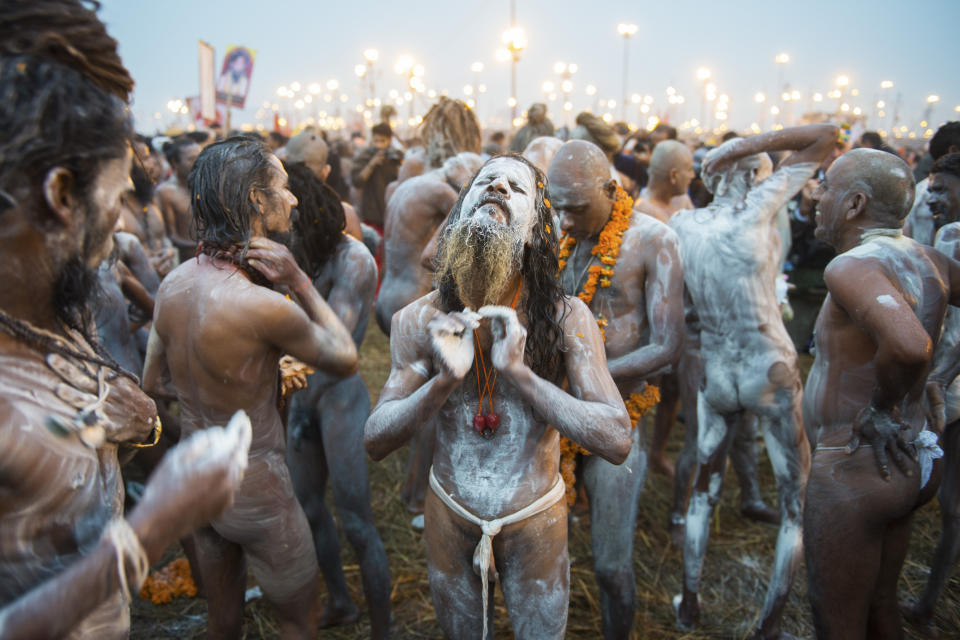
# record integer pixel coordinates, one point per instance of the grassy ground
(734, 576)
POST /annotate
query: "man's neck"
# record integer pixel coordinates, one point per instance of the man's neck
(659, 193)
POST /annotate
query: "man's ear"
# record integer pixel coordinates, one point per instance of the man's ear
(610, 189)
(58, 187)
(855, 206)
(673, 176)
(325, 172)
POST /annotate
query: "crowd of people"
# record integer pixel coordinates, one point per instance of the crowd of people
(192, 308)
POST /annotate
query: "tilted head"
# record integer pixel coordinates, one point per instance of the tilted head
(65, 146)
(501, 226)
(540, 151)
(309, 148)
(581, 190)
(738, 178)
(863, 189)
(672, 164)
(319, 223)
(238, 191)
(449, 127)
(943, 190)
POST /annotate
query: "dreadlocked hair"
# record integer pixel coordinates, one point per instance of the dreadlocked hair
(66, 32)
(449, 127)
(63, 95)
(544, 346)
(220, 183)
(318, 227)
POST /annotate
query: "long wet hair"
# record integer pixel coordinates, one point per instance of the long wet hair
(449, 127)
(538, 268)
(318, 227)
(220, 184)
(63, 97)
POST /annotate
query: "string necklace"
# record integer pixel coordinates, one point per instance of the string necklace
(485, 425)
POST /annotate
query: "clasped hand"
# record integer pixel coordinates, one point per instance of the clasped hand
(451, 335)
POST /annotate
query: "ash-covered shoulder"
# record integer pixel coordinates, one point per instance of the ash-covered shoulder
(415, 316)
(646, 229)
(947, 237)
(353, 255)
(683, 219)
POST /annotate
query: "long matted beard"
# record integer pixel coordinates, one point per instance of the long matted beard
(481, 257)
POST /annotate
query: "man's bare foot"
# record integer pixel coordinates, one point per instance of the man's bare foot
(688, 612)
(662, 466)
(921, 621)
(759, 512)
(333, 617)
(417, 523)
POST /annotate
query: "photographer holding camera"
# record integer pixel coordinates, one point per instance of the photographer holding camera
(373, 169)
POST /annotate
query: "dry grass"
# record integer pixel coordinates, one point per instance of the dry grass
(735, 572)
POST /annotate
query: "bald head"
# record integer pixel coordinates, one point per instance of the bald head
(460, 168)
(578, 163)
(309, 148)
(882, 178)
(541, 150)
(580, 188)
(671, 165)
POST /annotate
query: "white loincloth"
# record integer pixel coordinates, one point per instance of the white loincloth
(483, 554)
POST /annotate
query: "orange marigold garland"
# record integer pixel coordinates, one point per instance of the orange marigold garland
(607, 251)
(173, 581)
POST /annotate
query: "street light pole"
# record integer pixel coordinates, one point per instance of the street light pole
(626, 30)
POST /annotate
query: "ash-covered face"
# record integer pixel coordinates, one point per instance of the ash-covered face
(503, 193)
(943, 198)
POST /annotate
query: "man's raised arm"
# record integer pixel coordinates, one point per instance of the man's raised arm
(811, 143)
(310, 332)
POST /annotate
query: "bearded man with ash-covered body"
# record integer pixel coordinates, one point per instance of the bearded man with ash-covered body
(496, 501)
(750, 363)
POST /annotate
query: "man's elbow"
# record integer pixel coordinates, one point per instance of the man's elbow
(348, 363)
(373, 444)
(621, 441)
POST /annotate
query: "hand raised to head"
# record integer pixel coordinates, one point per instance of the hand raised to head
(275, 262)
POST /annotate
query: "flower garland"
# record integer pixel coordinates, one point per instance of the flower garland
(607, 251)
(173, 581)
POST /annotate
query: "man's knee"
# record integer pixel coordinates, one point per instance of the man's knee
(617, 581)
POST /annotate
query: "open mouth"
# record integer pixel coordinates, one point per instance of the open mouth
(495, 208)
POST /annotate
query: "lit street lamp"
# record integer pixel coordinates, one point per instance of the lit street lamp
(516, 41)
(627, 30)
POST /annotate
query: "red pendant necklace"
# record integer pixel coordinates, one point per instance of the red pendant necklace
(485, 425)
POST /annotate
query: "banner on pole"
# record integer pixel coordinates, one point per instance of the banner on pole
(234, 82)
(208, 94)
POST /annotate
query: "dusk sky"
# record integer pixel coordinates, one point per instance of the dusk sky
(911, 44)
